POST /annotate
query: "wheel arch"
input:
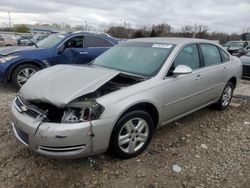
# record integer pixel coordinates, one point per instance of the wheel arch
(144, 106)
(233, 80)
(15, 65)
(8, 44)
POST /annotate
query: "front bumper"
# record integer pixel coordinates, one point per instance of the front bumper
(60, 140)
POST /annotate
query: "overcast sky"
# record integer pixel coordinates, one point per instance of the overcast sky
(219, 15)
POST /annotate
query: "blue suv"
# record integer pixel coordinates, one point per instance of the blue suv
(18, 64)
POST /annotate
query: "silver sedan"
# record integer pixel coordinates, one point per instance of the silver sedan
(117, 101)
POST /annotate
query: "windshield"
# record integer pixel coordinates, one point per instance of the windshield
(36, 36)
(51, 41)
(235, 44)
(139, 58)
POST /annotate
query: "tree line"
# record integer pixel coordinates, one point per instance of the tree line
(158, 30)
(166, 30)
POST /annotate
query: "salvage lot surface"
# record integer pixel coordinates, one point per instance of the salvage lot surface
(212, 148)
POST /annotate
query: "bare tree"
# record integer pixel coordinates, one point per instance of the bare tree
(187, 30)
(245, 30)
(162, 29)
(165, 30)
(200, 31)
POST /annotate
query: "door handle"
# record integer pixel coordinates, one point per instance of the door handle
(224, 69)
(198, 77)
(83, 53)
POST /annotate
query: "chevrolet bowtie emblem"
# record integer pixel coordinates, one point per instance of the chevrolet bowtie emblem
(23, 109)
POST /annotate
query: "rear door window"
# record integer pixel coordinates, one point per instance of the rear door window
(211, 54)
(225, 57)
(93, 41)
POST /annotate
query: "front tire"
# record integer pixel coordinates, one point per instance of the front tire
(22, 73)
(132, 134)
(226, 97)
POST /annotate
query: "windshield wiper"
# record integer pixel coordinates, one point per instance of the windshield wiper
(27, 39)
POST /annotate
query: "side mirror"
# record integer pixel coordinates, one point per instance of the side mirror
(182, 69)
(61, 49)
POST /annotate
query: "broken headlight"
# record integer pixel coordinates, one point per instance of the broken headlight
(82, 111)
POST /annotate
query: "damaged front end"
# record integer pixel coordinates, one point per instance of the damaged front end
(80, 111)
(77, 111)
(84, 108)
(66, 129)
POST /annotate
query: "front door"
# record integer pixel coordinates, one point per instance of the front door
(74, 52)
(183, 93)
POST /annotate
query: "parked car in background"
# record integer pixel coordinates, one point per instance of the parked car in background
(23, 37)
(34, 40)
(18, 64)
(245, 37)
(7, 42)
(236, 48)
(246, 64)
(118, 101)
(247, 48)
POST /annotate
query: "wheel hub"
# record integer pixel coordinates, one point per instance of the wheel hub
(227, 95)
(133, 135)
(24, 75)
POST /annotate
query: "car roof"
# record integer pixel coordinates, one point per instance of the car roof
(171, 40)
(86, 33)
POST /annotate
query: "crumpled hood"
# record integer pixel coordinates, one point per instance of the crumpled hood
(14, 49)
(61, 84)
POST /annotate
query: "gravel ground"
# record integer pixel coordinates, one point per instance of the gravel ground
(210, 149)
(244, 90)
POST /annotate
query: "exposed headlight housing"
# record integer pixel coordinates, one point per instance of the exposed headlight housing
(82, 111)
(7, 58)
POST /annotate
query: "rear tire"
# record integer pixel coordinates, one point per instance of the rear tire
(225, 98)
(131, 134)
(22, 73)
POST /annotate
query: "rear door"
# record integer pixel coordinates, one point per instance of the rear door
(96, 45)
(214, 71)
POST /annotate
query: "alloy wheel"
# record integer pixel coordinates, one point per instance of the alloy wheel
(133, 135)
(226, 96)
(24, 75)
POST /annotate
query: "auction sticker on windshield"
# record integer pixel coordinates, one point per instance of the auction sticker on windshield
(161, 46)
